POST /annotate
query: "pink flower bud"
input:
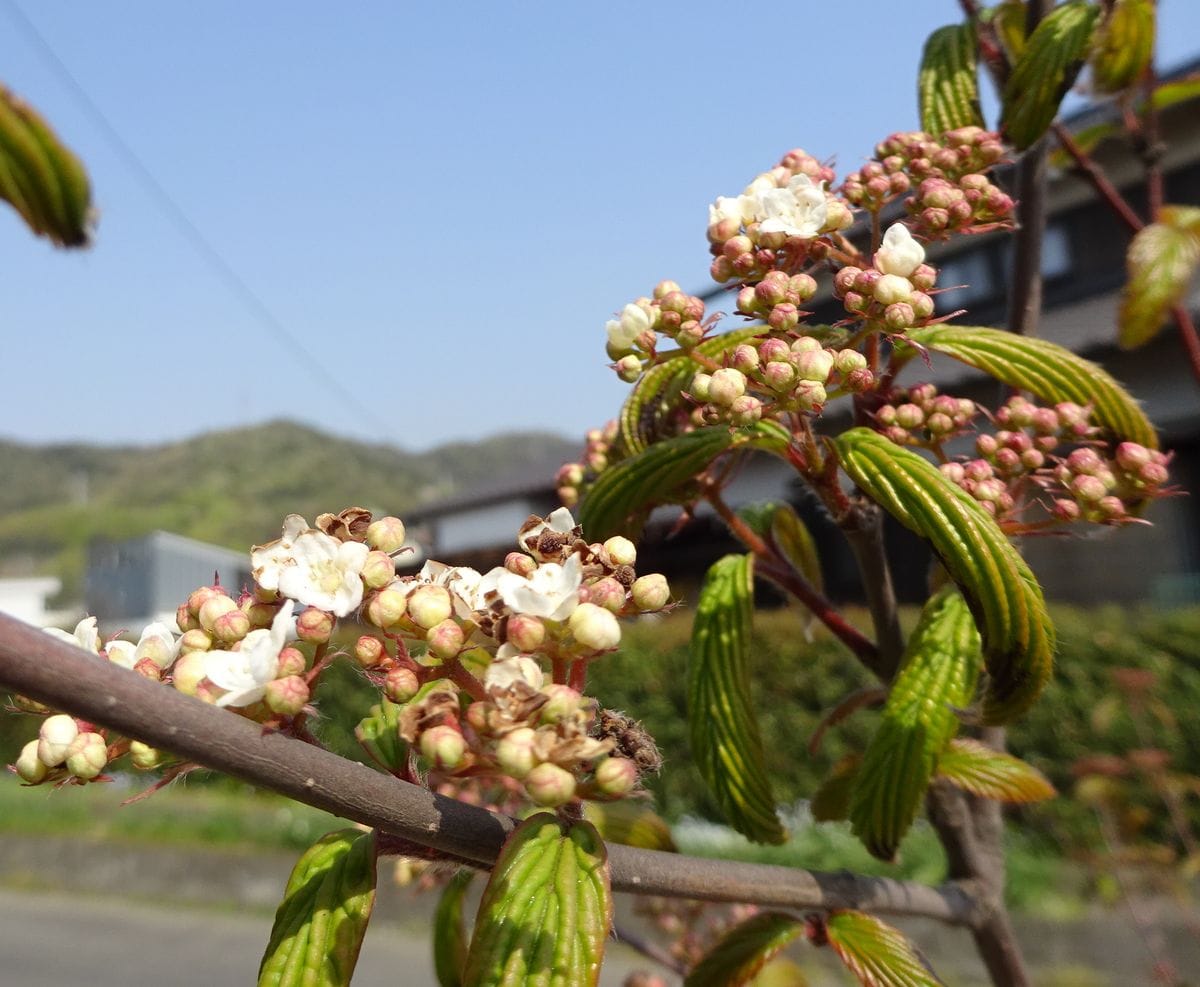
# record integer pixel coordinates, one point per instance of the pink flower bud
(809, 395)
(899, 316)
(401, 684)
(30, 768)
(620, 551)
(429, 605)
(198, 597)
(813, 365)
(550, 785)
(726, 386)
(260, 614)
(443, 746)
(379, 569)
(212, 608)
(55, 738)
(1131, 456)
(291, 662)
(87, 756)
(386, 608)
(1085, 460)
(185, 619)
(606, 593)
(386, 535)
(196, 640)
(892, 288)
(562, 701)
(616, 776)
(445, 639)
(628, 368)
(747, 300)
(231, 626)
(188, 672)
(1153, 474)
(1066, 510)
(650, 592)
(845, 279)
(953, 472)
(287, 696)
(745, 410)
(515, 752)
(784, 317)
(909, 416)
(700, 386)
(520, 563)
(525, 633)
(1088, 488)
(369, 651)
(1112, 508)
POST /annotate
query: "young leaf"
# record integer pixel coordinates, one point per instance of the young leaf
(1009, 19)
(321, 921)
(648, 410)
(991, 774)
(449, 935)
(1048, 370)
(744, 950)
(791, 536)
(722, 728)
(937, 676)
(1052, 57)
(877, 954)
(1004, 596)
(40, 178)
(546, 909)
(630, 823)
(1161, 262)
(1176, 91)
(1124, 45)
(948, 80)
(378, 734)
(656, 475)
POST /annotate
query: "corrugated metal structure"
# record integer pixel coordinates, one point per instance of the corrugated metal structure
(130, 583)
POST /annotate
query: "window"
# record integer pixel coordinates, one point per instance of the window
(968, 278)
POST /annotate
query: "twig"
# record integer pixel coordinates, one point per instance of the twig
(863, 528)
(648, 948)
(34, 664)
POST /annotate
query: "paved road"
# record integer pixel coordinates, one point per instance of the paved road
(56, 940)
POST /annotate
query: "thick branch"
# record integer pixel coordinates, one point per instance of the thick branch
(864, 531)
(34, 664)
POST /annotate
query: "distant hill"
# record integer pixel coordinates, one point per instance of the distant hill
(231, 487)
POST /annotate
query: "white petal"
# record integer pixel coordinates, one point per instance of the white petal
(121, 653)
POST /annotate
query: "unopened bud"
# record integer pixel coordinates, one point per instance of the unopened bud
(514, 752)
(445, 639)
(314, 626)
(401, 684)
(212, 608)
(386, 607)
(847, 361)
(814, 365)
(620, 550)
(287, 696)
(899, 316)
(386, 535)
(369, 651)
(199, 597)
(616, 776)
(594, 627)
(606, 593)
(31, 769)
(562, 701)
(196, 640)
(520, 563)
(629, 368)
(1066, 510)
(87, 756)
(429, 605)
(291, 662)
(650, 592)
(726, 386)
(185, 620)
(550, 785)
(745, 410)
(525, 633)
(909, 416)
(379, 570)
(143, 756)
(188, 672)
(55, 738)
(443, 746)
(261, 614)
(231, 626)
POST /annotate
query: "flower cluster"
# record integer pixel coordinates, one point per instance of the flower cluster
(892, 292)
(921, 416)
(774, 223)
(572, 478)
(460, 654)
(634, 333)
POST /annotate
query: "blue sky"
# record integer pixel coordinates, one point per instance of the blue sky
(440, 204)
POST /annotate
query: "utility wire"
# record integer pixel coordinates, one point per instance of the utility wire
(217, 264)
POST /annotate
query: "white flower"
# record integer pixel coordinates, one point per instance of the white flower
(552, 591)
(324, 573)
(156, 643)
(85, 636)
(244, 673)
(622, 332)
(899, 253)
(509, 668)
(798, 210)
(762, 183)
(269, 560)
(738, 208)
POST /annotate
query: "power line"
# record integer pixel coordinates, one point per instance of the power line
(255, 307)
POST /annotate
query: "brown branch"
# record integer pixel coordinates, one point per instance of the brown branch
(34, 664)
(863, 529)
(1098, 180)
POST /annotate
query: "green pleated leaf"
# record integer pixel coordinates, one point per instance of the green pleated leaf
(1009, 19)
(793, 539)
(1123, 46)
(546, 910)
(831, 801)
(1046, 69)
(1004, 596)
(621, 496)
(449, 933)
(631, 823)
(948, 80)
(647, 414)
(937, 677)
(321, 921)
(1051, 372)
(1161, 262)
(991, 774)
(40, 177)
(877, 954)
(1175, 92)
(378, 734)
(722, 727)
(744, 950)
